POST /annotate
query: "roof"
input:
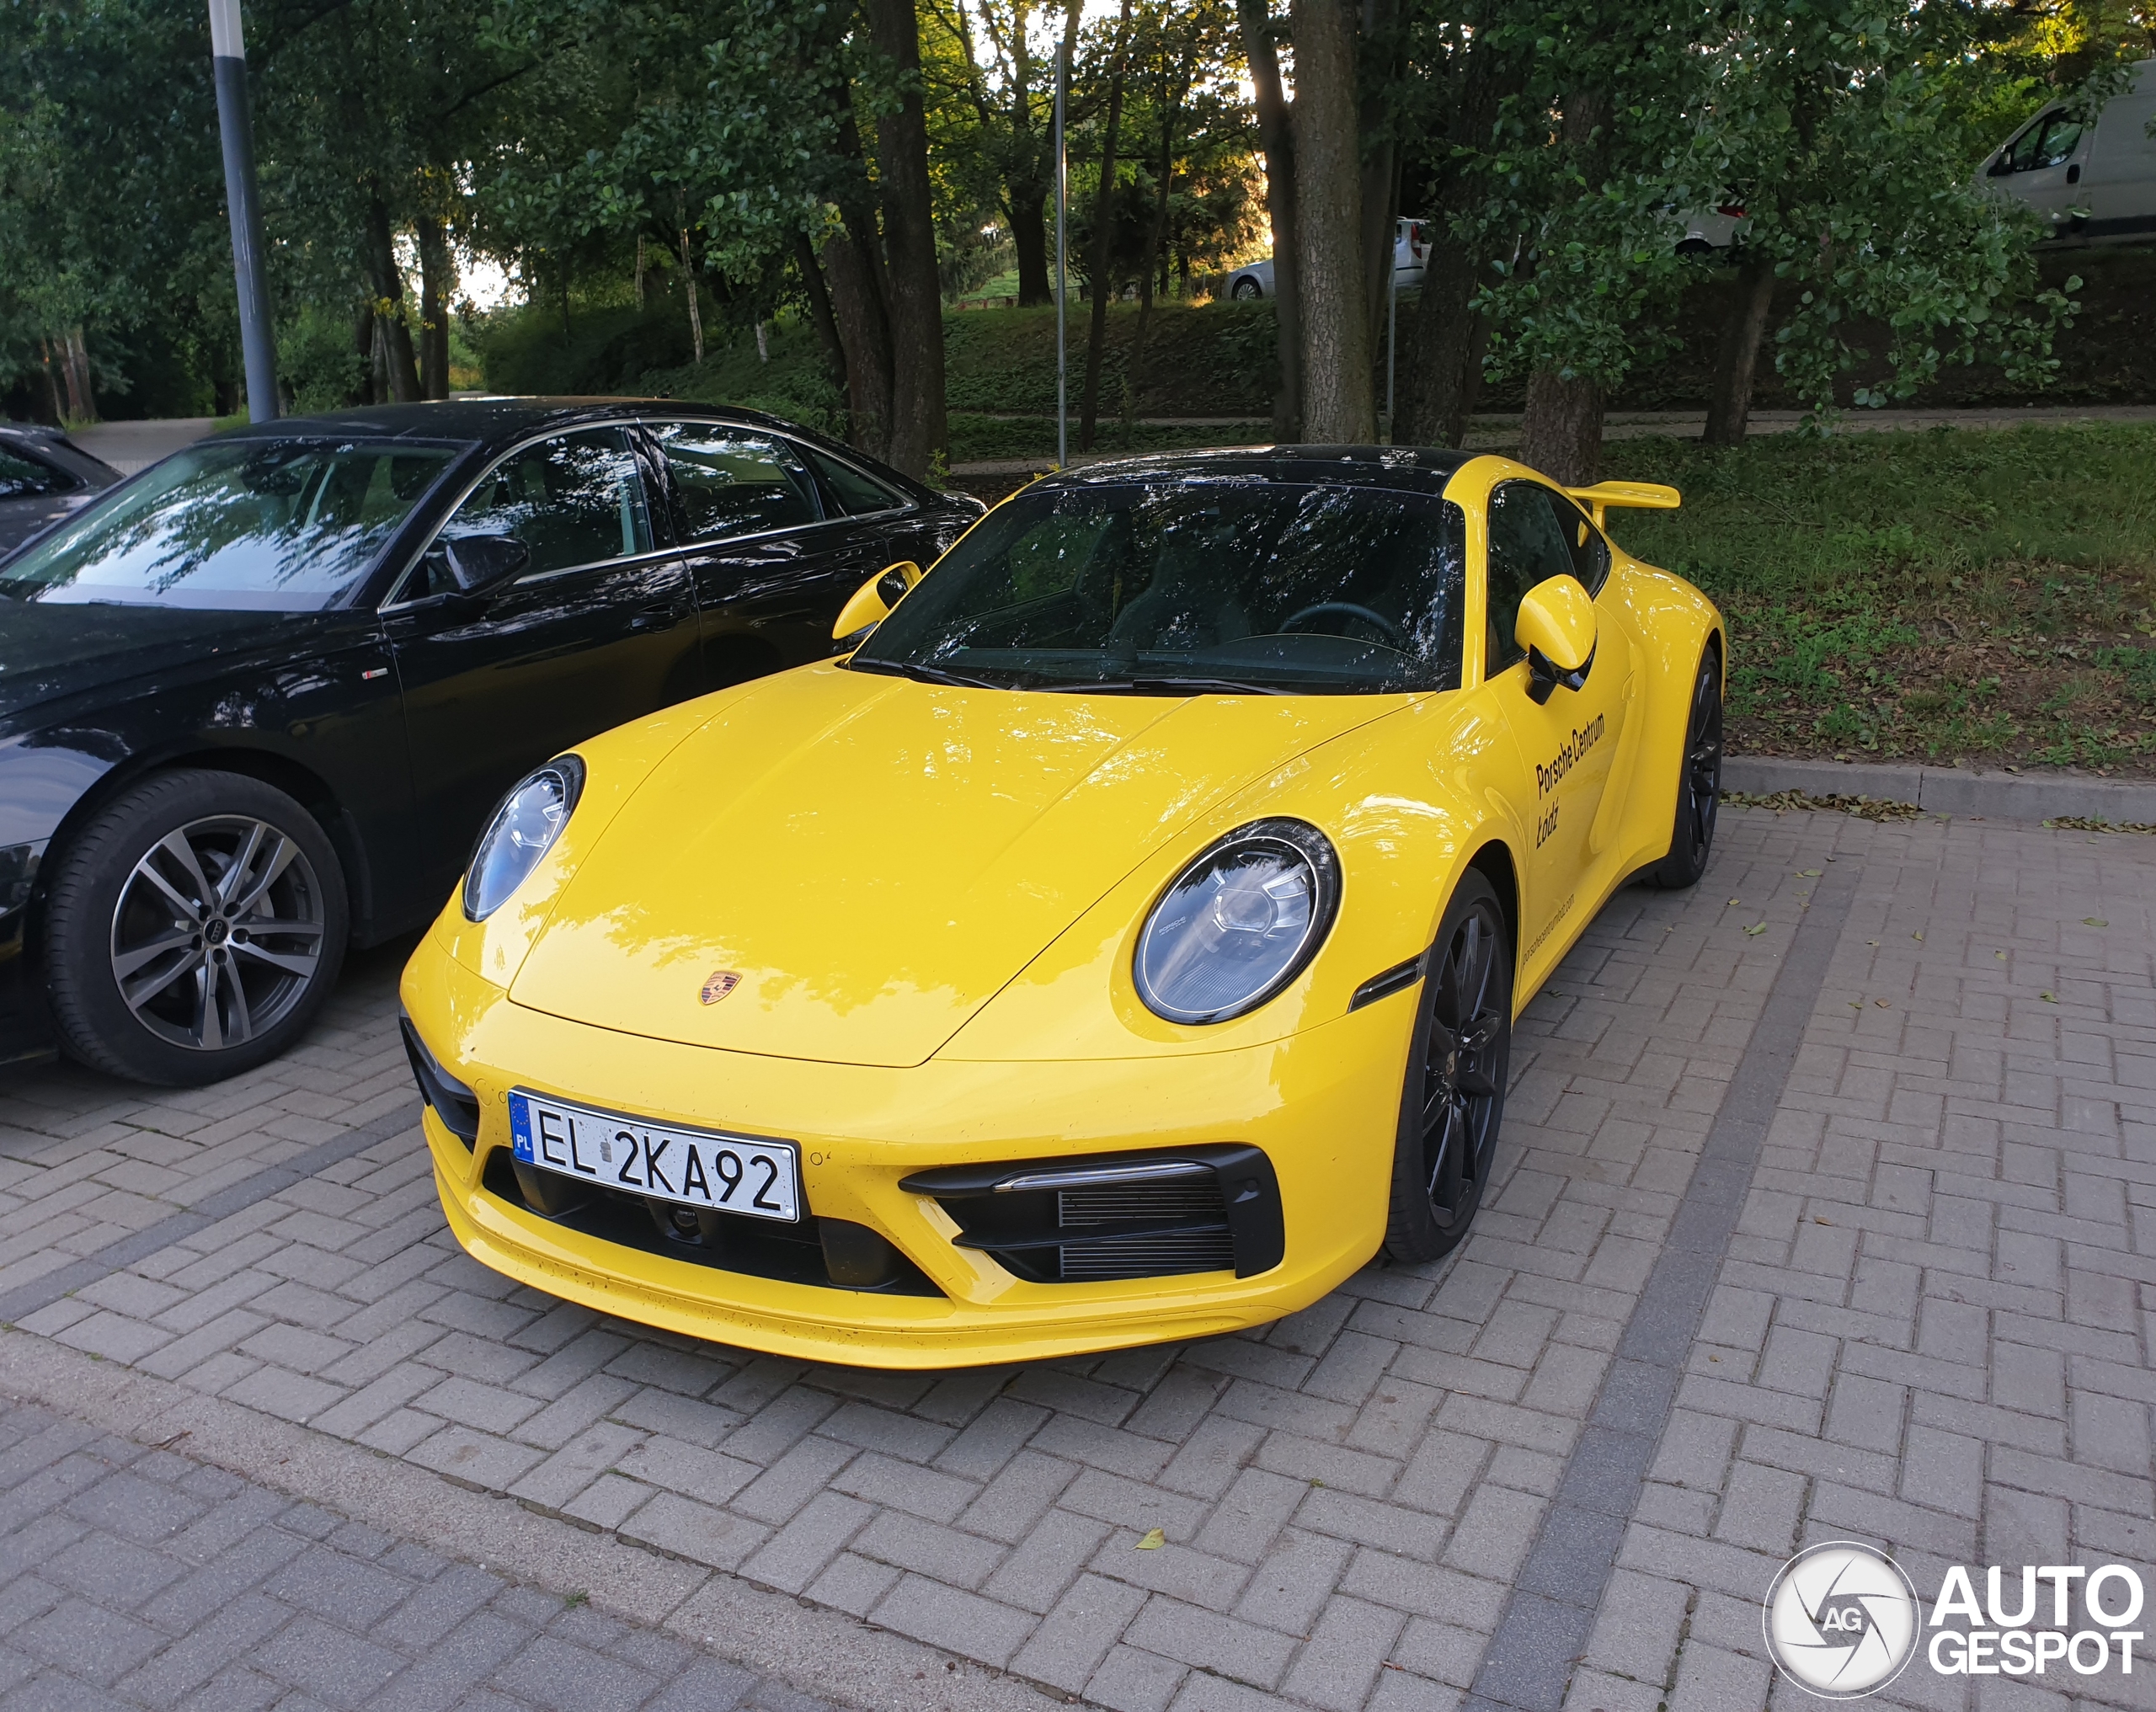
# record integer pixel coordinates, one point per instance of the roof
(481, 418)
(1423, 469)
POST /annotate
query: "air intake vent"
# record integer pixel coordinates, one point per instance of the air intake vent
(1211, 1208)
(1204, 1245)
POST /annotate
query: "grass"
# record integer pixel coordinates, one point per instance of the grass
(1938, 596)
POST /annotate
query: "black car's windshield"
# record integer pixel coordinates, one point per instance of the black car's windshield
(280, 525)
(1182, 586)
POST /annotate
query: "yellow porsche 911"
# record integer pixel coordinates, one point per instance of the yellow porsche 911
(1121, 942)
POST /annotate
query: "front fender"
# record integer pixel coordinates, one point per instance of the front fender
(1409, 802)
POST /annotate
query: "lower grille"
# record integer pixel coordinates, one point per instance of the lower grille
(1110, 1216)
(832, 1252)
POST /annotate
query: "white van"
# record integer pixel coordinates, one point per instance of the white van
(2093, 183)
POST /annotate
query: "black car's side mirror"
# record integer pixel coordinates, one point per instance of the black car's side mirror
(478, 562)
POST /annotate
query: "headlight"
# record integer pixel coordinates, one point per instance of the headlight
(524, 829)
(1239, 923)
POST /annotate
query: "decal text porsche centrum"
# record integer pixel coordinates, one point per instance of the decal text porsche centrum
(1548, 778)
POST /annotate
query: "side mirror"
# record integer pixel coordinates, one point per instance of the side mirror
(479, 561)
(1556, 626)
(872, 601)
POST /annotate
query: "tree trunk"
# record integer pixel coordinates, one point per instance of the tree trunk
(52, 383)
(920, 431)
(1029, 240)
(1562, 435)
(1104, 267)
(363, 342)
(388, 285)
(639, 270)
(1276, 129)
(1337, 405)
(820, 309)
(1444, 352)
(437, 278)
(1380, 181)
(75, 370)
(1561, 432)
(696, 302)
(1154, 234)
(853, 268)
(1736, 354)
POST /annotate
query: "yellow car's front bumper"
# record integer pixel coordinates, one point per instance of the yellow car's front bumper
(1323, 1105)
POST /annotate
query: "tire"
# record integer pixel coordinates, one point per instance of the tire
(1698, 782)
(1245, 290)
(145, 905)
(1453, 1099)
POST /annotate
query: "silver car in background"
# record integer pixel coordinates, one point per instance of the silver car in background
(1410, 255)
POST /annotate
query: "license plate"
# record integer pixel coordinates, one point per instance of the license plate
(751, 1174)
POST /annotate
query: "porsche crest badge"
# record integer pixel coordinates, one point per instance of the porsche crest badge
(717, 984)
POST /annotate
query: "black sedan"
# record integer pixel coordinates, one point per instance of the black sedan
(257, 702)
(44, 475)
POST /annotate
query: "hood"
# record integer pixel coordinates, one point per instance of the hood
(874, 858)
(49, 650)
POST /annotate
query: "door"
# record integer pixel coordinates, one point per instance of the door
(1571, 739)
(598, 629)
(774, 548)
(2042, 168)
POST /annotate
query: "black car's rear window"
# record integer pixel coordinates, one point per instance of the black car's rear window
(279, 525)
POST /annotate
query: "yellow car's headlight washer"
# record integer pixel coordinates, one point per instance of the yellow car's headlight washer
(1239, 923)
(523, 829)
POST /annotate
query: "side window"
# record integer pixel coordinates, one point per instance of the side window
(727, 483)
(2049, 142)
(576, 499)
(24, 477)
(1526, 547)
(860, 493)
(1590, 552)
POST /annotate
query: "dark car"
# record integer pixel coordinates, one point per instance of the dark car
(257, 702)
(44, 475)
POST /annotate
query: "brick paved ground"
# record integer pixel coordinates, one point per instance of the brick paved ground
(1928, 1330)
(140, 1577)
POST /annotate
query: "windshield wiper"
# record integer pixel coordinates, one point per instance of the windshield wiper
(926, 674)
(1174, 685)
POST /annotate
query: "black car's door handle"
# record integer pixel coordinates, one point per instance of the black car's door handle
(662, 615)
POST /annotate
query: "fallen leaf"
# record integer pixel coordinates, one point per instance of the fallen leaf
(1817, 1219)
(1714, 1357)
(2000, 955)
(1154, 1540)
(1807, 873)
(1758, 929)
(1882, 1005)
(1734, 902)
(2094, 921)
(1918, 938)
(2048, 998)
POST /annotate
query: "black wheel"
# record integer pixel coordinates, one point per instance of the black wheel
(1245, 290)
(1454, 1097)
(1698, 782)
(195, 928)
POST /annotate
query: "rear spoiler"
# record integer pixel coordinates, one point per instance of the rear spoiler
(1637, 496)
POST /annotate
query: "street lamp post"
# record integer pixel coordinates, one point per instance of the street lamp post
(1062, 277)
(258, 344)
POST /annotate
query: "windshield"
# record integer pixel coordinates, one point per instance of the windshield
(1182, 587)
(279, 525)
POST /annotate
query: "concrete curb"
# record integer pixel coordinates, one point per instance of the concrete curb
(816, 1649)
(1971, 790)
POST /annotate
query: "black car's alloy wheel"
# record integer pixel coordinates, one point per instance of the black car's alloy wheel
(1698, 781)
(195, 926)
(1454, 1097)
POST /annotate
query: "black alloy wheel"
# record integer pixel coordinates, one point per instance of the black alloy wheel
(1457, 1065)
(1698, 781)
(195, 927)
